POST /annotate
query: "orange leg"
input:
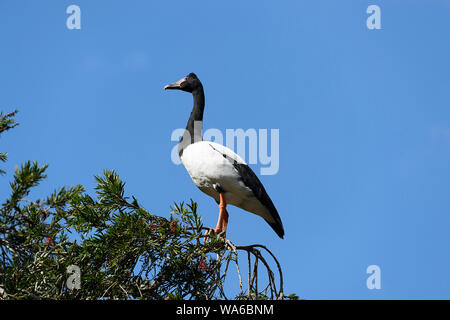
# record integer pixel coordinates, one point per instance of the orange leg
(222, 223)
(223, 216)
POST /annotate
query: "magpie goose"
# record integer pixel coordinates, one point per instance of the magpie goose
(217, 170)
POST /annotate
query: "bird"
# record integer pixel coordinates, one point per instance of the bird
(218, 171)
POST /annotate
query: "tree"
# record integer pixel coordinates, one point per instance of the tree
(71, 245)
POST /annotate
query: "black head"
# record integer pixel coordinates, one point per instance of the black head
(190, 83)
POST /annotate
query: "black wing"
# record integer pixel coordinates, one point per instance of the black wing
(250, 179)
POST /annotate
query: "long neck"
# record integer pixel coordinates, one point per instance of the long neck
(193, 132)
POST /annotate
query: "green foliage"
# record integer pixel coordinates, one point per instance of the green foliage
(122, 250)
(7, 122)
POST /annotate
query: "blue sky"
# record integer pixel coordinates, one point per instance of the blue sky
(363, 115)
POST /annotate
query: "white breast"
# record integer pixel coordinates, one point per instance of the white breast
(206, 164)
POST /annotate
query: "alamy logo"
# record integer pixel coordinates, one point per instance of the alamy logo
(374, 20)
(74, 20)
(74, 278)
(263, 146)
(374, 280)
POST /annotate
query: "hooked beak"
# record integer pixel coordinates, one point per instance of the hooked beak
(176, 85)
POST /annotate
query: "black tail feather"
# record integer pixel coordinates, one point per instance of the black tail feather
(277, 227)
